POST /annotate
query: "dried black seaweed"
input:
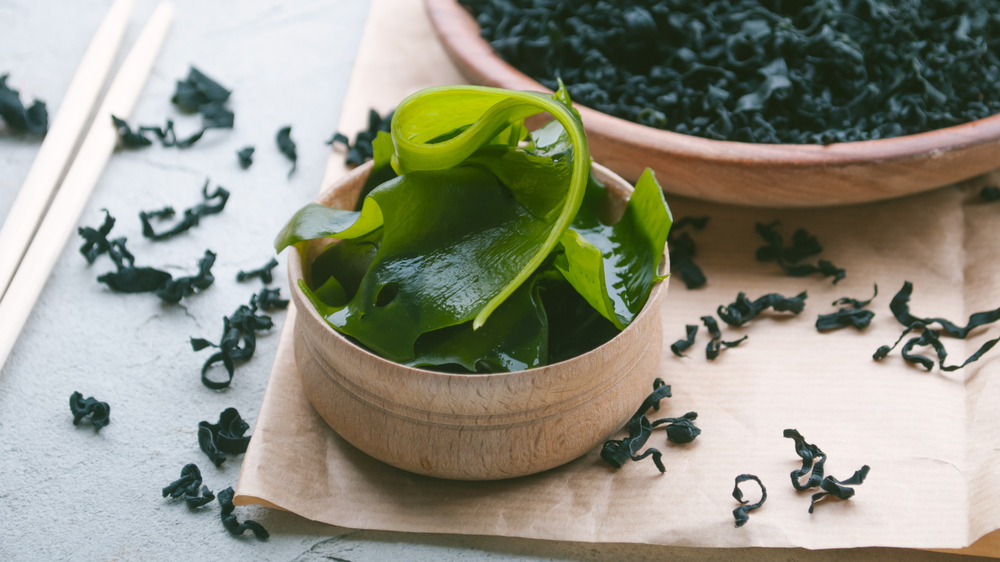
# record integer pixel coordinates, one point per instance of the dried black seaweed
(740, 513)
(264, 273)
(127, 138)
(680, 430)
(241, 326)
(287, 146)
(990, 193)
(716, 345)
(226, 437)
(617, 452)
(840, 489)
(756, 71)
(96, 239)
(682, 251)
(99, 412)
(168, 136)
(186, 488)
(812, 461)
(201, 94)
(742, 310)
(128, 278)
(230, 522)
(900, 307)
(174, 290)
(851, 313)
(269, 299)
(33, 119)
(213, 203)
(932, 338)
(803, 245)
(361, 150)
(679, 346)
(245, 157)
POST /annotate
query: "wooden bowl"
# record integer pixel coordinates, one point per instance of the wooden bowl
(471, 427)
(760, 175)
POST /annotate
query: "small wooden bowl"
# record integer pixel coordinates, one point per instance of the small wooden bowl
(759, 175)
(471, 427)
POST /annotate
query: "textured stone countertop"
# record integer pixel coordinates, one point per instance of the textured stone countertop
(71, 492)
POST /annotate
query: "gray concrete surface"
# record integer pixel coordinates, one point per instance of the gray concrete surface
(72, 493)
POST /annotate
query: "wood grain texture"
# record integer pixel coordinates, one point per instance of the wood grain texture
(471, 427)
(759, 175)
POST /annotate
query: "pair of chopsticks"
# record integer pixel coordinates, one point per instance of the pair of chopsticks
(32, 238)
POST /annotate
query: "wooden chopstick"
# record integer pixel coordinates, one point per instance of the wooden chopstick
(57, 148)
(69, 201)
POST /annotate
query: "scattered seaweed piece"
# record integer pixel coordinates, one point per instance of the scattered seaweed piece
(174, 290)
(990, 193)
(741, 512)
(226, 437)
(264, 273)
(99, 412)
(127, 138)
(96, 239)
(213, 203)
(679, 346)
(813, 460)
(186, 488)
(840, 489)
(287, 146)
(803, 245)
(230, 522)
(932, 338)
(680, 430)
(682, 251)
(743, 309)
(362, 150)
(269, 299)
(241, 326)
(245, 157)
(617, 452)
(716, 345)
(900, 307)
(167, 135)
(33, 119)
(200, 94)
(128, 278)
(851, 313)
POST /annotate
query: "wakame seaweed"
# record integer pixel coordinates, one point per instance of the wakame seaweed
(742, 310)
(212, 203)
(362, 150)
(239, 327)
(990, 193)
(716, 345)
(230, 522)
(128, 278)
(852, 312)
(840, 489)
(617, 452)
(682, 251)
(96, 239)
(245, 157)
(173, 290)
(900, 307)
(681, 345)
(99, 412)
(287, 146)
(187, 488)
(269, 299)
(225, 437)
(33, 119)
(460, 257)
(264, 273)
(758, 70)
(741, 512)
(813, 460)
(803, 245)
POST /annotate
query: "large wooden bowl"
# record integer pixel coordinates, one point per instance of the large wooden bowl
(762, 175)
(471, 427)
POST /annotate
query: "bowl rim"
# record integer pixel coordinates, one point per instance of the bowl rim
(492, 69)
(296, 275)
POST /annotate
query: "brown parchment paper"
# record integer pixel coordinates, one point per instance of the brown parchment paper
(932, 439)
